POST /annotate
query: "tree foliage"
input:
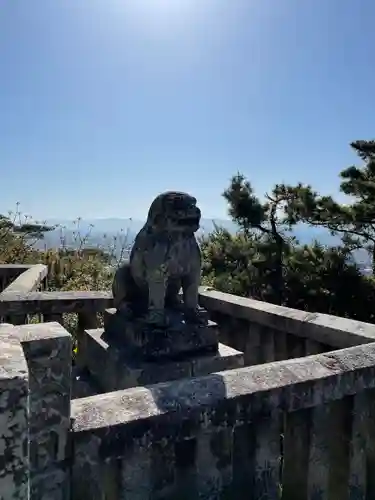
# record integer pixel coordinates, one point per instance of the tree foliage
(355, 220)
(268, 222)
(264, 261)
(18, 236)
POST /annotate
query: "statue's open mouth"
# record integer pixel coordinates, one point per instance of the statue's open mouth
(189, 221)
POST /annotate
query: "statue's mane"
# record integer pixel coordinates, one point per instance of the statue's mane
(160, 207)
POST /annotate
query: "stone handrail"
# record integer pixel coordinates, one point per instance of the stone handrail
(14, 417)
(55, 302)
(323, 328)
(8, 272)
(36, 362)
(300, 428)
(219, 436)
(28, 281)
(52, 305)
(263, 331)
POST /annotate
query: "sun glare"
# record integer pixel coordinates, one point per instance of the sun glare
(166, 4)
(156, 11)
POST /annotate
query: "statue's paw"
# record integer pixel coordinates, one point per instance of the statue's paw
(125, 311)
(174, 304)
(156, 317)
(195, 317)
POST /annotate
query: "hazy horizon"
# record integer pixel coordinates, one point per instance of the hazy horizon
(102, 236)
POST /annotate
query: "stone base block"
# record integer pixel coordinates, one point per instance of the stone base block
(83, 385)
(113, 369)
(149, 343)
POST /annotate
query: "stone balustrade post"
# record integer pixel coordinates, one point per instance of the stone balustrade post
(48, 351)
(14, 418)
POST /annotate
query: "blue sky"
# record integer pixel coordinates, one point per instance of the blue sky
(105, 103)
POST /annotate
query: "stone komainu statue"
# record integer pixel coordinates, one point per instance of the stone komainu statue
(165, 258)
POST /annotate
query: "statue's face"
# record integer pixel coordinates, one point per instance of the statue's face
(177, 212)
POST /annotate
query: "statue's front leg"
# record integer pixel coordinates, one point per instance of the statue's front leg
(172, 298)
(190, 285)
(157, 284)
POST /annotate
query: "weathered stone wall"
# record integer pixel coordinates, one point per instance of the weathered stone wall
(213, 437)
(110, 369)
(14, 418)
(48, 351)
(219, 436)
(266, 332)
(19, 280)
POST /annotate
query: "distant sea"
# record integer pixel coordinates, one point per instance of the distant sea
(120, 233)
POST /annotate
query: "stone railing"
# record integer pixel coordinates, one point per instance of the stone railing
(263, 331)
(51, 306)
(303, 427)
(295, 429)
(19, 281)
(35, 400)
(14, 417)
(9, 272)
(266, 332)
(30, 280)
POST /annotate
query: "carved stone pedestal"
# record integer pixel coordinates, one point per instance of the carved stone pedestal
(152, 343)
(119, 358)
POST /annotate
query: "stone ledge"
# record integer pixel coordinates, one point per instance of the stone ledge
(41, 331)
(48, 350)
(13, 363)
(112, 369)
(54, 302)
(14, 416)
(324, 328)
(28, 281)
(160, 410)
(226, 358)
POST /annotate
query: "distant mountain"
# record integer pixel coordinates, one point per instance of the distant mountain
(101, 233)
(115, 225)
(101, 230)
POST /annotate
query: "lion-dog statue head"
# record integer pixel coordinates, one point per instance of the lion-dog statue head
(174, 211)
